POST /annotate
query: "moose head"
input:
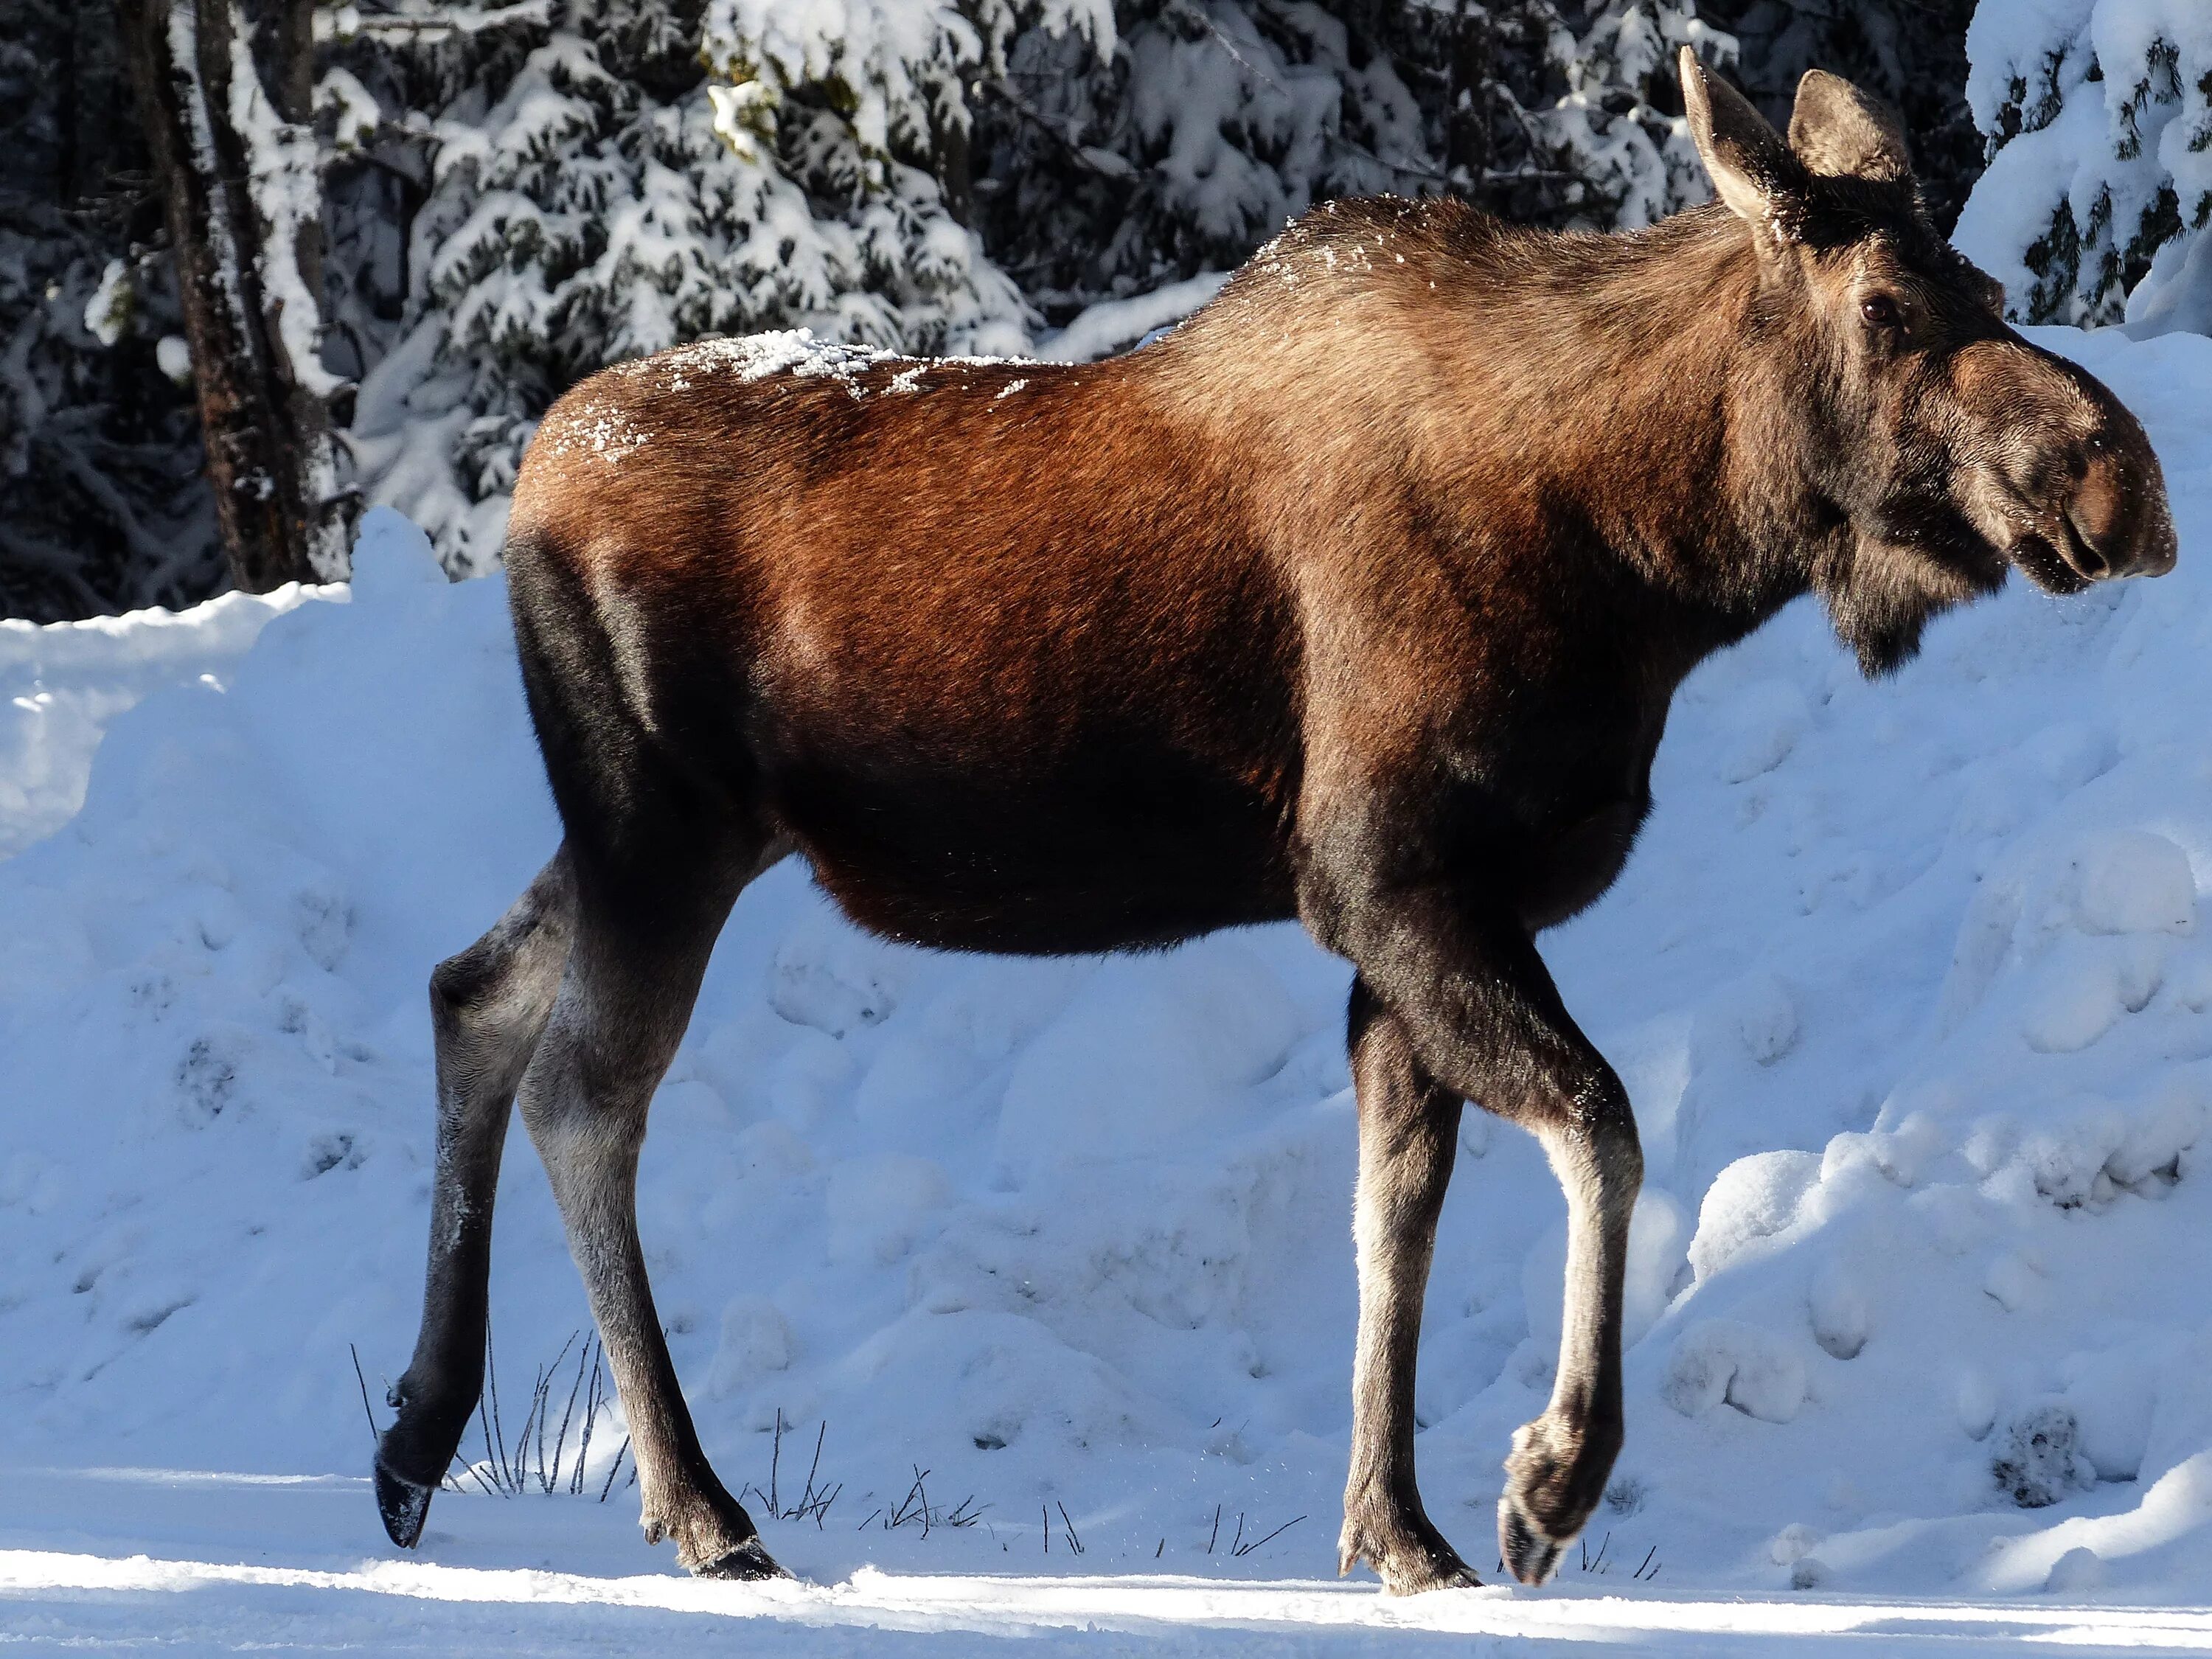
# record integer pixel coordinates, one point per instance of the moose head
(1943, 447)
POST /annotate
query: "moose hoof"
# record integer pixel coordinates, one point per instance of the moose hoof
(1530, 1554)
(1553, 1478)
(403, 1503)
(1423, 1574)
(714, 1538)
(748, 1560)
(1410, 1559)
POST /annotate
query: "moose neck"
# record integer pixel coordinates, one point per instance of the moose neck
(1642, 398)
(1617, 402)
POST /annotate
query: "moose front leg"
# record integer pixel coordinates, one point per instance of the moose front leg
(1468, 995)
(1408, 1130)
(1557, 1470)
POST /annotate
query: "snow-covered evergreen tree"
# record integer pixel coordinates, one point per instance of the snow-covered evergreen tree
(857, 125)
(582, 199)
(1103, 153)
(1175, 137)
(1628, 165)
(2099, 118)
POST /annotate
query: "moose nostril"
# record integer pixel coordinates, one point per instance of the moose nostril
(2097, 505)
(2084, 557)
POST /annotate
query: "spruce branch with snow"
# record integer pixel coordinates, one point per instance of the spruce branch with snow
(1630, 165)
(2099, 118)
(861, 140)
(1100, 172)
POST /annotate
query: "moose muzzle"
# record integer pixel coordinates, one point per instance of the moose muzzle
(2117, 523)
(2067, 483)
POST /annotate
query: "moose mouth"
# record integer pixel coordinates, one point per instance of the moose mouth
(2053, 571)
(1979, 545)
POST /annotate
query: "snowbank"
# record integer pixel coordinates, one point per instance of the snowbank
(63, 684)
(1910, 982)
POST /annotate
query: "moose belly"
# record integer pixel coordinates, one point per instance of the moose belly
(1077, 860)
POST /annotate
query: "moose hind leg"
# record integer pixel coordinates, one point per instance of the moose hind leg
(621, 1013)
(1408, 1129)
(487, 1007)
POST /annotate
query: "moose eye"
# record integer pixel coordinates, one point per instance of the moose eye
(1878, 310)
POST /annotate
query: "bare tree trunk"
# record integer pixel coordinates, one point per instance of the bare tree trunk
(238, 192)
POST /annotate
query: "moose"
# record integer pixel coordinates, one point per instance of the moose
(1359, 599)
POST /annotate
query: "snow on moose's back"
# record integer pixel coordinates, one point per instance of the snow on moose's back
(1910, 981)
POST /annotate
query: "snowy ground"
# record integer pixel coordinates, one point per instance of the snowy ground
(222, 1568)
(1910, 983)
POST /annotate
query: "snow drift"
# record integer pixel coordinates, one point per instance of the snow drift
(1910, 982)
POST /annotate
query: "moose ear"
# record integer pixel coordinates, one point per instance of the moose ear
(1839, 131)
(1751, 169)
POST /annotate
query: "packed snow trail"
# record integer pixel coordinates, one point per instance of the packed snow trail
(265, 1593)
(1910, 982)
